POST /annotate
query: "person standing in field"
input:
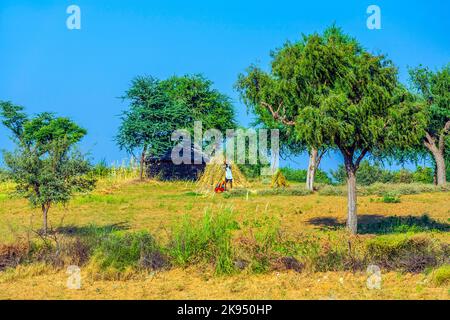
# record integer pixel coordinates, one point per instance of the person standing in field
(228, 175)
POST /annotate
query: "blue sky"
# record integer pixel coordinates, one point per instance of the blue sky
(80, 73)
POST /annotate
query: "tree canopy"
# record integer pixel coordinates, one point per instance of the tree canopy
(433, 90)
(336, 95)
(157, 108)
(45, 165)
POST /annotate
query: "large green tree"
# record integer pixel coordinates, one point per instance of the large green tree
(433, 89)
(337, 95)
(204, 103)
(152, 116)
(157, 108)
(300, 74)
(45, 165)
(363, 111)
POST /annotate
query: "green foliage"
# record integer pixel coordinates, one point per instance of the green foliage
(120, 250)
(441, 275)
(408, 224)
(423, 175)
(45, 165)
(50, 178)
(380, 189)
(336, 95)
(391, 197)
(151, 118)
(299, 175)
(101, 169)
(203, 102)
(372, 173)
(434, 91)
(207, 240)
(406, 253)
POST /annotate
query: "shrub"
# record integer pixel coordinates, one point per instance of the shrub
(441, 275)
(406, 253)
(423, 175)
(404, 224)
(284, 192)
(207, 240)
(299, 175)
(391, 197)
(374, 173)
(333, 191)
(11, 255)
(122, 251)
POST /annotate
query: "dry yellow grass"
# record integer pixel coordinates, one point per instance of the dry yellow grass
(202, 284)
(154, 206)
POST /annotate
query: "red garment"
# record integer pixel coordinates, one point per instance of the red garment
(220, 187)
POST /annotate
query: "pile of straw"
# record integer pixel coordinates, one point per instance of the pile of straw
(215, 172)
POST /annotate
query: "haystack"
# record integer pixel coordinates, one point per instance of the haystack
(215, 172)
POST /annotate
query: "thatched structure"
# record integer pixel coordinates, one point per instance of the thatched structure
(164, 169)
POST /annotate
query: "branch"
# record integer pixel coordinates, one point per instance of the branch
(447, 127)
(429, 142)
(319, 157)
(276, 114)
(361, 156)
(441, 143)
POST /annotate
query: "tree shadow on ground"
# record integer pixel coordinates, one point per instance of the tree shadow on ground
(378, 224)
(92, 229)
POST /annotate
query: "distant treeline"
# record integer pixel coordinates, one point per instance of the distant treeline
(367, 174)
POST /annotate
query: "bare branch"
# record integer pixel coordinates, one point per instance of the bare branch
(361, 156)
(276, 114)
(429, 142)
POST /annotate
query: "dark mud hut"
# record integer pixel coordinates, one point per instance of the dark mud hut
(163, 168)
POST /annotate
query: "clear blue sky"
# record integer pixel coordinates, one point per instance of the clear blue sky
(80, 73)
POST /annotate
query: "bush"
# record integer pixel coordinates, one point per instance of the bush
(423, 175)
(121, 251)
(207, 240)
(403, 176)
(299, 175)
(333, 191)
(391, 197)
(441, 275)
(11, 255)
(406, 253)
(369, 174)
(284, 192)
(409, 224)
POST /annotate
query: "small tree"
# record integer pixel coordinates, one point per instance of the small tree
(434, 91)
(150, 120)
(45, 166)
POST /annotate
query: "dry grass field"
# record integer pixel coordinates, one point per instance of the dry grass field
(156, 206)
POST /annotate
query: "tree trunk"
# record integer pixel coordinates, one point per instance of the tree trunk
(312, 166)
(352, 218)
(440, 169)
(437, 152)
(44, 215)
(142, 163)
